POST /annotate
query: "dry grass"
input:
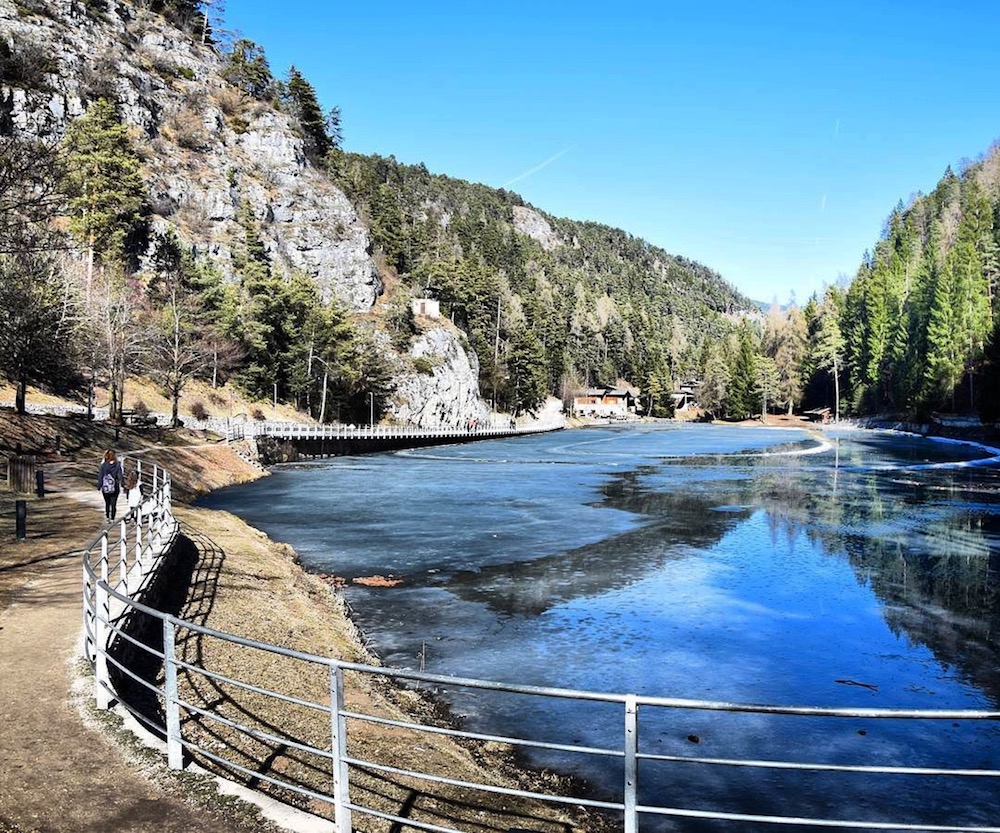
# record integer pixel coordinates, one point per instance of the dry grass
(186, 129)
(244, 583)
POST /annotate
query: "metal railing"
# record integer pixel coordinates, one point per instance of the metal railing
(335, 762)
(304, 431)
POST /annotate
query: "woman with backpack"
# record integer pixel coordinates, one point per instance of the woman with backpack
(109, 481)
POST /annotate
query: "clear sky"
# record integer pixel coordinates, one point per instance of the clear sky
(768, 140)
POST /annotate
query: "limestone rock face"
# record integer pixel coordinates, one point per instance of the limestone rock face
(210, 153)
(534, 225)
(208, 148)
(448, 395)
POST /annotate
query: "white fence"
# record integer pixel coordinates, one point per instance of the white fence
(125, 558)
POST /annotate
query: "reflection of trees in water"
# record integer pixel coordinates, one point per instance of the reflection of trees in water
(924, 541)
(678, 522)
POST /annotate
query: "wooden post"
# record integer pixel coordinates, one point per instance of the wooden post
(21, 519)
(21, 473)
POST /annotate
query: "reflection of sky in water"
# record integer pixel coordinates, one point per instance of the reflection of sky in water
(695, 561)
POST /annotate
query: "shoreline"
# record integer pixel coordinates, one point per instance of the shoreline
(313, 610)
(234, 578)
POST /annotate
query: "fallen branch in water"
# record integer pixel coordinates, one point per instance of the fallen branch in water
(869, 686)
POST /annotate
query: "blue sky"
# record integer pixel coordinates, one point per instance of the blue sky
(767, 140)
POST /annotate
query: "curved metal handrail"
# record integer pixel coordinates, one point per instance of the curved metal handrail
(125, 557)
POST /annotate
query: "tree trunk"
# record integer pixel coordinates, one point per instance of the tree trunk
(836, 392)
(90, 393)
(175, 406)
(309, 372)
(322, 404)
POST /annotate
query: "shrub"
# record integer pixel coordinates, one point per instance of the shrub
(140, 408)
(26, 65)
(423, 365)
(198, 410)
(231, 101)
(186, 129)
(258, 414)
(216, 398)
(99, 80)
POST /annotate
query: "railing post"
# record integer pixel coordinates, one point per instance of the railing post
(631, 763)
(123, 556)
(88, 611)
(102, 612)
(171, 706)
(138, 538)
(338, 747)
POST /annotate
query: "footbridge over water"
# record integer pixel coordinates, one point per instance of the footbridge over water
(284, 441)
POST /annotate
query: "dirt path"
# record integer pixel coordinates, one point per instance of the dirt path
(58, 773)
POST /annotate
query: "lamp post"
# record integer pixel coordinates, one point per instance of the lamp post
(371, 407)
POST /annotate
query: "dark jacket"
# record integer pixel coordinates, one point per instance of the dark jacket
(115, 470)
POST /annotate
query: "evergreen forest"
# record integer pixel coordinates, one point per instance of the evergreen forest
(116, 291)
(95, 286)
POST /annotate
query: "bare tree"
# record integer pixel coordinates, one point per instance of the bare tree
(29, 197)
(119, 340)
(39, 319)
(178, 350)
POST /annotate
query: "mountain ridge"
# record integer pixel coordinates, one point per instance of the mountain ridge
(544, 307)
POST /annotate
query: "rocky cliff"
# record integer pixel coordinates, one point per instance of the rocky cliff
(208, 147)
(444, 392)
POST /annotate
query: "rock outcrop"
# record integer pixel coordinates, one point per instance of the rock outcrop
(534, 225)
(444, 390)
(210, 153)
(209, 148)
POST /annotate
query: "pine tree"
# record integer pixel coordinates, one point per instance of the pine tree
(714, 393)
(525, 385)
(300, 97)
(828, 346)
(989, 398)
(788, 350)
(943, 363)
(103, 182)
(247, 69)
(742, 401)
(106, 193)
(767, 384)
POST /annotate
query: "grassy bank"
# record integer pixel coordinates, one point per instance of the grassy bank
(232, 578)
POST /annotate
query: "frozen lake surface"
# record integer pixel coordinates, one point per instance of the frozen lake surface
(718, 563)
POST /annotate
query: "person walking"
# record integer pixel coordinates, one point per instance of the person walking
(109, 481)
(133, 493)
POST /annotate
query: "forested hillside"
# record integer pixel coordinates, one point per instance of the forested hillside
(917, 328)
(549, 304)
(184, 211)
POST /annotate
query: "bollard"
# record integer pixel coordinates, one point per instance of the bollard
(21, 518)
(40, 483)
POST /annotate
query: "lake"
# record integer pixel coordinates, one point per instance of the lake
(848, 569)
